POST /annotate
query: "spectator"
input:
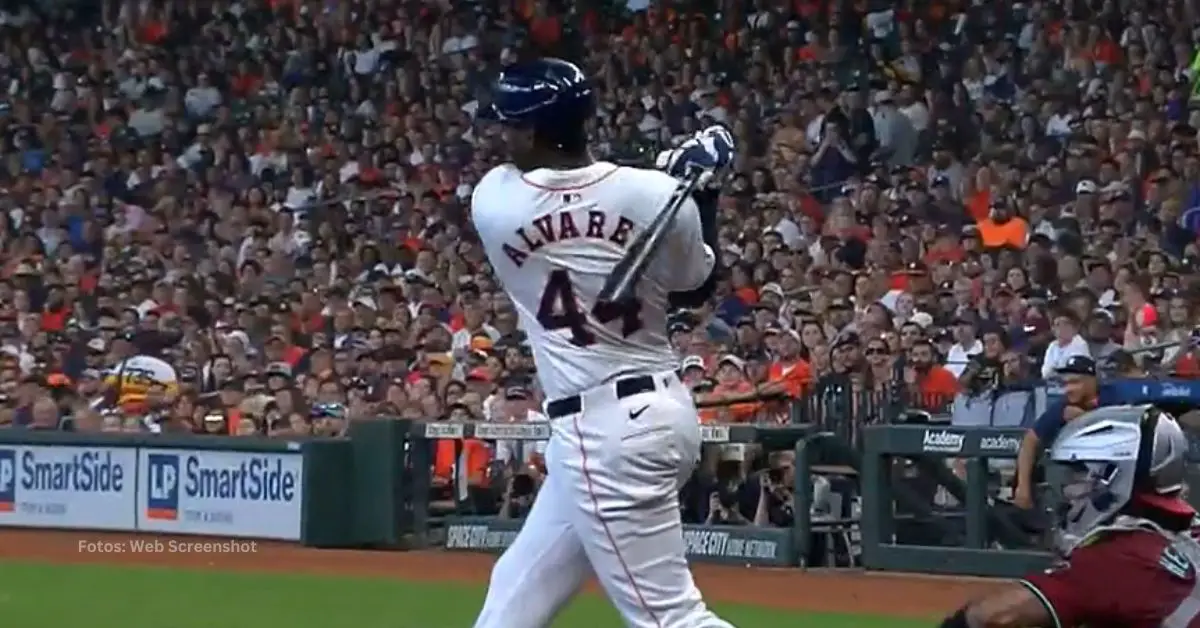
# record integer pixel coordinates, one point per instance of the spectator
(931, 386)
(1067, 344)
(966, 344)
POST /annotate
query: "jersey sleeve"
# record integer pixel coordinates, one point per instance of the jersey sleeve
(483, 204)
(688, 259)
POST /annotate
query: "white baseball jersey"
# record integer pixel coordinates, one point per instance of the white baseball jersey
(553, 237)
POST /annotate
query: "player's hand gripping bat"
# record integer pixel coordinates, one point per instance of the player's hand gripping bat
(696, 162)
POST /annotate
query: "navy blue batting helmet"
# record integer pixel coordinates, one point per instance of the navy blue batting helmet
(551, 96)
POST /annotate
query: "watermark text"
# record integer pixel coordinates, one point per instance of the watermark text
(171, 546)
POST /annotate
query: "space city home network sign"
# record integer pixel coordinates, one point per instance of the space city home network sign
(67, 487)
(222, 493)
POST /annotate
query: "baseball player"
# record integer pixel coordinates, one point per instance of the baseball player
(1131, 559)
(625, 434)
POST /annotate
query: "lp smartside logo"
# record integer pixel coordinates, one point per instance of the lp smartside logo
(8, 480)
(942, 441)
(162, 500)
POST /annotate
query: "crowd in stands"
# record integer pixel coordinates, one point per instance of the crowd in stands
(250, 217)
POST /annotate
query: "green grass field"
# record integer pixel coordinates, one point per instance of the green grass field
(34, 595)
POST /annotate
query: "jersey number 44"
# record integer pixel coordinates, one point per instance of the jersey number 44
(559, 309)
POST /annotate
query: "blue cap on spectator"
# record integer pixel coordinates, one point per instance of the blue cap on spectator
(1078, 365)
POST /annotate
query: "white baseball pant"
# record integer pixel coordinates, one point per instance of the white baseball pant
(609, 506)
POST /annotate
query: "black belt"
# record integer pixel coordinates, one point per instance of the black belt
(626, 387)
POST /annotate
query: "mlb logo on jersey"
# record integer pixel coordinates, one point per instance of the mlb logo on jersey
(162, 500)
(8, 480)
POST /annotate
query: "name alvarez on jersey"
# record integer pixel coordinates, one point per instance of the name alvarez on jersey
(562, 226)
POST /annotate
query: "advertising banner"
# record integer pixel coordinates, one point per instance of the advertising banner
(723, 544)
(68, 487)
(220, 493)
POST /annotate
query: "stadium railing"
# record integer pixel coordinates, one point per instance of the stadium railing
(931, 503)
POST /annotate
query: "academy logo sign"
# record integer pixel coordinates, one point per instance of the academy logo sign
(942, 441)
(1006, 444)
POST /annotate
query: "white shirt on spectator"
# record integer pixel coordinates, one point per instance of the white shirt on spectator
(50, 238)
(348, 171)
(147, 122)
(132, 87)
(814, 130)
(454, 45)
(63, 101)
(896, 135)
(261, 161)
(135, 179)
(192, 156)
(1059, 124)
(954, 173)
(299, 198)
(1057, 355)
(790, 232)
(25, 360)
(974, 89)
(760, 21)
(508, 450)
(366, 61)
(918, 114)
(145, 307)
(200, 101)
(957, 358)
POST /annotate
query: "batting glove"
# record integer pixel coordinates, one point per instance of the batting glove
(710, 151)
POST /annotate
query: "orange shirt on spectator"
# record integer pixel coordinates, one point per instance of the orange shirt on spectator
(738, 412)
(475, 455)
(55, 321)
(795, 376)
(153, 32)
(748, 295)
(978, 205)
(245, 85)
(937, 388)
(945, 252)
(1014, 233)
(1187, 367)
(232, 418)
(546, 31)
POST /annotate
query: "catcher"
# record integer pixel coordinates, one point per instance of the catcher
(1129, 559)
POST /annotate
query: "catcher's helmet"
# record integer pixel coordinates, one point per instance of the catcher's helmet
(1117, 456)
(551, 96)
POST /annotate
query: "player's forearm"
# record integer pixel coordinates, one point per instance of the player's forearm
(1026, 458)
(706, 205)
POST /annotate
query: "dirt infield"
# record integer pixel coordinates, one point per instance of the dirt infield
(792, 589)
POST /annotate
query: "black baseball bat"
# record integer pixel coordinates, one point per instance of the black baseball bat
(621, 284)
